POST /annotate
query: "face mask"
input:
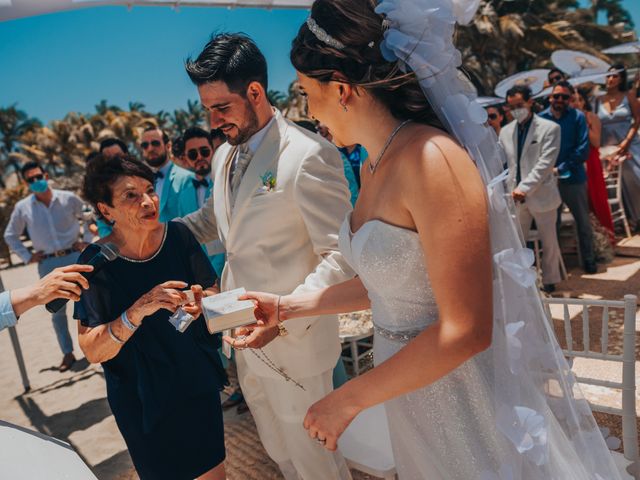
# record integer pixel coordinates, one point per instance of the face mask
(520, 114)
(39, 186)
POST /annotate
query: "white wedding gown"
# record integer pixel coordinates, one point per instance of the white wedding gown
(448, 430)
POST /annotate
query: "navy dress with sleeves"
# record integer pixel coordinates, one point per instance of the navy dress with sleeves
(163, 386)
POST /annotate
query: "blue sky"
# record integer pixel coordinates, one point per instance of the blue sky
(69, 61)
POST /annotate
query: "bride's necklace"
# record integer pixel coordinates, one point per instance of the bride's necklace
(374, 165)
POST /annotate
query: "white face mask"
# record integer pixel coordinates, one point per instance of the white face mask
(520, 114)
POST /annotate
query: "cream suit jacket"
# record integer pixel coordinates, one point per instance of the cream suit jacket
(284, 240)
(539, 154)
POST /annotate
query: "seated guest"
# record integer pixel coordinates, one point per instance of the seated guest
(531, 145)
(162, 385)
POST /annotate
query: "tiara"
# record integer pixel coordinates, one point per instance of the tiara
(322, 35)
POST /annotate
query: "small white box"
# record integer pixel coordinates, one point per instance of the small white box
(224, 311)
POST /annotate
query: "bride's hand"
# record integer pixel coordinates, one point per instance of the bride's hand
(266, 311)
(328, 418)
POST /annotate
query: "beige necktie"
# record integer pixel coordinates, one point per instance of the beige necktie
(238, 169)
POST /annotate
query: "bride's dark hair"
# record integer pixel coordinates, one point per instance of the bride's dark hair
(358, 27)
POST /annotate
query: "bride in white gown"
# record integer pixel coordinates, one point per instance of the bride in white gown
(473, 381)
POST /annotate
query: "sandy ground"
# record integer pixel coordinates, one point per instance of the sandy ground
(73, 407)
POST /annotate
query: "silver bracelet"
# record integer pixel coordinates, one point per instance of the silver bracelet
(113, 337)
(127, 323)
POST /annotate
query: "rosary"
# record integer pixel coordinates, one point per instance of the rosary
(264, 358)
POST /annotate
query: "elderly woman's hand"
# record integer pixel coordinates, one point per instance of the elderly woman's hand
(194, 308)
(167, 295)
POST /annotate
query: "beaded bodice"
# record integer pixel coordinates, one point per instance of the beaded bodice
(391, 265)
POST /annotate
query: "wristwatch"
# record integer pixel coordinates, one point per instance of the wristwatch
(282, 330)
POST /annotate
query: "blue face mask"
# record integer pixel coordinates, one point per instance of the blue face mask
(39, 186)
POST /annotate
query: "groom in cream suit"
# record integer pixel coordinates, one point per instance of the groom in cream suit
(531, 145)
(279, 198)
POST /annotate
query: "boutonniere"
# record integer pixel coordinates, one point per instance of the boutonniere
(268, 182)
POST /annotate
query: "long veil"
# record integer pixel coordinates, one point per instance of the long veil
(537, 405)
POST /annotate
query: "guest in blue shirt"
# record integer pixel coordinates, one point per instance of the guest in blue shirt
(574, 150)
(65, 282)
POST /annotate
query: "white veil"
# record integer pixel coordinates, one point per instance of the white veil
(538, 406)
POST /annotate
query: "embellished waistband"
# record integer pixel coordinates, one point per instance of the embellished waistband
(397, 336)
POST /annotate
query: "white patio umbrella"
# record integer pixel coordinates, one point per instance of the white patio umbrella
(630, 47)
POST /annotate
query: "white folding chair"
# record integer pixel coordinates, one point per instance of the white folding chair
(355, 348)
(613, 181)
(628, 384)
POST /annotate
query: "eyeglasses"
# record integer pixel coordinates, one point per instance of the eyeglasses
(563, 96)
(193, 153)
(154, 143)
(35, 178)
(555, 79)
(493, 116)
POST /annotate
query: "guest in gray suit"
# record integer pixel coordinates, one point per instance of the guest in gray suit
(531, 145)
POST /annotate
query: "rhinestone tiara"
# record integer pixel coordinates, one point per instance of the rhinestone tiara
(322, 35)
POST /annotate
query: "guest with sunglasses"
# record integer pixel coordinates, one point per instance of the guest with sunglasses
(495, 115)
(199, 147)
(574, 150)
(554, 76)
(173, 184)
(52, 218)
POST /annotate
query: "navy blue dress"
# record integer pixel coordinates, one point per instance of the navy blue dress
(163, 386)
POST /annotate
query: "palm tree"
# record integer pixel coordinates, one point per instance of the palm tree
(506, 37)
(13, 124)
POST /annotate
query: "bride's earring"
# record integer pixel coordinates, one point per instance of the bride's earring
(344, 106)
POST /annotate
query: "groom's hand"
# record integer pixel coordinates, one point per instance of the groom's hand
(259, 336)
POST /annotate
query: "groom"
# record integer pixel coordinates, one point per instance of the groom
(279, 198)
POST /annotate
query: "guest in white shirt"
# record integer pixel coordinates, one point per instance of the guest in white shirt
(52, 219)
(66, 282)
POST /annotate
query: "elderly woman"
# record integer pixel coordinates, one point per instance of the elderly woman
(162, 385)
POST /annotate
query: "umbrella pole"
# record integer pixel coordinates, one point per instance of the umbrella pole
(15, 342)
(13, 334)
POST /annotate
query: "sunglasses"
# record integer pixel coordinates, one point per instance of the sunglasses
(493, 116)
(193, 153)
(555, 79)
(558, 96)
(154, 143)
(35, 178)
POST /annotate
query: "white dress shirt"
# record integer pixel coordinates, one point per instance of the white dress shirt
(52, 228)
(7, 315)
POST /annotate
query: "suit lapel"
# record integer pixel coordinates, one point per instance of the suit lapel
(529, 139)
(265, 159)
(221, 187)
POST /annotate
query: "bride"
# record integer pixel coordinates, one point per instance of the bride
(473, 381)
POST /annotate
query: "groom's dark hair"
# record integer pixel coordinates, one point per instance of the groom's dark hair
(232, 58)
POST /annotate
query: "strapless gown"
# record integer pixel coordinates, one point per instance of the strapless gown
(446, 430)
